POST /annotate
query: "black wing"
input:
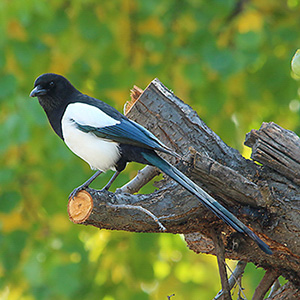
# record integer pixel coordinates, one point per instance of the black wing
(128, 132)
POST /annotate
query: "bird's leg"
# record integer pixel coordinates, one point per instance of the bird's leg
(85, 185)
(112, 179)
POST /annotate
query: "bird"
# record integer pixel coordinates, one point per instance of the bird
(107, 140)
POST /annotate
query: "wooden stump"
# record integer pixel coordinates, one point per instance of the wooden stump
(80, 207)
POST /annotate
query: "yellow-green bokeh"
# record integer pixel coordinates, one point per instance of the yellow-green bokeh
(232, 66)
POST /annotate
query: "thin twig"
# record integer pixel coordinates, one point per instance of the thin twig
(142, 209)
(169, 297)
(143, 177)
(265, 284)
(241, 294)
(235, 275)
(276, 285)
(239, 284)
(219, 247)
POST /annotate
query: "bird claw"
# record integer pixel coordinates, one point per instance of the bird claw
(76, 191)
(104, 189)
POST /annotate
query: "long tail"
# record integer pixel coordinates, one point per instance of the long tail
(204, 198)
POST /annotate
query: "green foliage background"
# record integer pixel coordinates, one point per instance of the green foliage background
(232, 66)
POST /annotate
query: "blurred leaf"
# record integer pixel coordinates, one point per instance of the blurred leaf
(58, 23)
(33, 269)
(222, 61)
(14, 130)
(8, 85)
(65, 279)
(6, 175)
(9, 200)
(23, 53)
(2, 59)
(89, 25)
(11, 249)
(194, 73)
(249, 41)
(250, 21)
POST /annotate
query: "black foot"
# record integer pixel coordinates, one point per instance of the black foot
(85, 185)
(105, 189)
(112, 179)
(77, 190)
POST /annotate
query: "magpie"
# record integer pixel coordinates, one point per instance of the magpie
(106, 139)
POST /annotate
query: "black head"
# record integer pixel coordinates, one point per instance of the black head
(52, 90)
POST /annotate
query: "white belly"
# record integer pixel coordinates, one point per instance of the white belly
(98, 153)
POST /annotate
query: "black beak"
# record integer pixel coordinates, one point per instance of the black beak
(38, 91)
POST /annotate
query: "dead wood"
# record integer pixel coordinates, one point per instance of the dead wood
(264, 196)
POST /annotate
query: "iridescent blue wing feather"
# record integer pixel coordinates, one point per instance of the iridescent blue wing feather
(128, 132)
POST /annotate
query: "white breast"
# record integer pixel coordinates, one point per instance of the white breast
(98, 153)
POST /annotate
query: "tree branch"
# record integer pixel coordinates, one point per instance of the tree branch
(276, 148)
(264, 197)
(219, 249)
(142, 178)
(236, 274)
(265, 284)
(286, 292)
(276, 285)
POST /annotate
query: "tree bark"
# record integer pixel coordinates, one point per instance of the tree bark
(265, 197)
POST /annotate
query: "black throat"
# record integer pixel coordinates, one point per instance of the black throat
(54, 110)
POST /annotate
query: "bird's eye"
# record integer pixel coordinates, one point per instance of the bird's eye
(51, 84)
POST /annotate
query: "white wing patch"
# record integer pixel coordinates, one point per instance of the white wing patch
(98, 153)
(86, 114)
